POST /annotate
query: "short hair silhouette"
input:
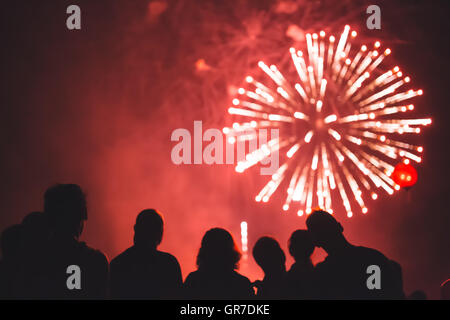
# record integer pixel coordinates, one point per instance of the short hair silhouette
(300, 245)
(149, 228)
(218, 250)
(35, 231)
(323, 227)
(32, 217)
(268, 254)
(34, 223)
(10, 241)
(65, 205)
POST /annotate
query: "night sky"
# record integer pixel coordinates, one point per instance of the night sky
(97, 107)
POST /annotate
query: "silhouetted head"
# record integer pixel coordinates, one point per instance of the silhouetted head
(269, 255)
(301, 245)
(65, 206)
(418, 295)
(149, 227)
(324, 229)
(10, 242)
(218, 251)
(35, 220)
(445, 290)
(35, 229)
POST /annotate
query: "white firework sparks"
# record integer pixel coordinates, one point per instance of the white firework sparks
(343, 121)
(244, 238)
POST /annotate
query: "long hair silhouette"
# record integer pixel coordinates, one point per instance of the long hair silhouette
(218, 250)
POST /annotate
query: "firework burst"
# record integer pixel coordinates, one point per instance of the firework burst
(340, 117)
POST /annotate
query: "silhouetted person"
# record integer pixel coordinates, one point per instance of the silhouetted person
(31, 275)
(397, 279)
(445, 290)
(301, 274)
(66, 210)
(216, 277)
(345, 272)
(10, 246)
(141, 271)
(272, 260)
(418, 295)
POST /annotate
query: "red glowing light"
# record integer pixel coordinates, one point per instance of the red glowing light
(405, 175)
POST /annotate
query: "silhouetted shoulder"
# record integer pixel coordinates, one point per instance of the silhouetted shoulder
(361, 252)
(205, 285)
(97, 272)
(132, 254)
(371, 253)
(192, 277)
(171, 263)
(122, 257)
(300, 282)
(92, 263)
(165, 256)
(372, 256)
(194, 280)
(233, 275)
(142, 273)
(344, 275)
(320, 268)
(392, 278)
(94, 255)
(241, 279)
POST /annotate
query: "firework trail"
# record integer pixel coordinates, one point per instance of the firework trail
(341, 123)
(244, 238)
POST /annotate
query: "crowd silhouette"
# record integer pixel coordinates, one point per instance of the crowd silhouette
(37, 252)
